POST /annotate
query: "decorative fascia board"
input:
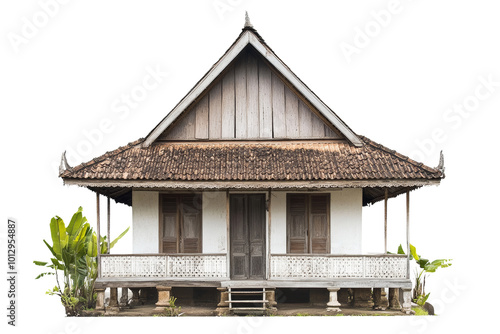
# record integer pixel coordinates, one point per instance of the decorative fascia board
(217, 185)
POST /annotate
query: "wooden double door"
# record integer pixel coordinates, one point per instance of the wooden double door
(248, 238)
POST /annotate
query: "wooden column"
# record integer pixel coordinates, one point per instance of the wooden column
(408, 234)
(385, 220)
(109, 226)
(98, 236)
(268, 248)
(228, 237)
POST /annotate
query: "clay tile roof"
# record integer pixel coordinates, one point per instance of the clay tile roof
(252, 161)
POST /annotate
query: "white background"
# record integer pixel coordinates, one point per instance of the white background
(62, 79)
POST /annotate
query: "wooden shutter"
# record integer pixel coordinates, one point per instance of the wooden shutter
(256, 233)
(169, 224)
(319, 227)
(297, 223)
(190, 222)
(239, 237)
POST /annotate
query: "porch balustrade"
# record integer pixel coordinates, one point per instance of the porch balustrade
(164, 266)
(281, 266)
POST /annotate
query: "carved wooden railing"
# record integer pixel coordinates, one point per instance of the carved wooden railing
(282, 266)
(202, 266)
(317, 266)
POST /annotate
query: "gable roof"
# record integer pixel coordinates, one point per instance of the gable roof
(250, 37)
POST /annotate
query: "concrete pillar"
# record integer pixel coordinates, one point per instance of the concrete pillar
(333, 304)
(405, 295)
(223, 305)
(394, 299)
(113, 301)
(135, 298)
(163, 297)
(99, 306)
(380, 299)
(124, 298)
(362, 297)
(271, 298)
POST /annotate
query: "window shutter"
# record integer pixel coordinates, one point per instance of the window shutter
(169, 217)
(319, 226)
(297, 223)
(190, 208)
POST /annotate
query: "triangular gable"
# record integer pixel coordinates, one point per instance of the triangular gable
(211, 82)
(250, 101)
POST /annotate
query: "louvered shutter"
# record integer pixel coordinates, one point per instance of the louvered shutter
(319, 228)
(190, 209)
(297, 223)
(170, 227)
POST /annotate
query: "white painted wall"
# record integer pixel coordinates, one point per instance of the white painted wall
(345, 220)
(145, 222)
(214, 222)
(278, 222)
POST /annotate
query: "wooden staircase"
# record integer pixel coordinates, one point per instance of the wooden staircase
(247, 300)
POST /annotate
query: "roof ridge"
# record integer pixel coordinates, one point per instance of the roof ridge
(102, 157)
(399, 155)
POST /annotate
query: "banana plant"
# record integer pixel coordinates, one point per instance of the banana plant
(424, 267)
(74, 250)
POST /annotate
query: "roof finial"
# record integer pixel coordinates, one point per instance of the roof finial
(64, 164)
(248, 24)
(440, 167)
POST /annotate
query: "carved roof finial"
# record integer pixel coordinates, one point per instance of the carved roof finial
(64, 163)
(248, 24)
(440, 167)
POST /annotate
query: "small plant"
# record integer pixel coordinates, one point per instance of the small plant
(419, 311)
(171, 310)
(424, 267)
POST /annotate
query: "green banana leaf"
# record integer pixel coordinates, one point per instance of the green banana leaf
(59, 236)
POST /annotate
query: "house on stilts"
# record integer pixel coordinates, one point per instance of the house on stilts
(249, 186)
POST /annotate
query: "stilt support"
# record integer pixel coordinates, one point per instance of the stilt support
(163, 297)
(99, 306)
(406, 298)
(113, 301)
(135, 298)
(333, 304)
(394, 299)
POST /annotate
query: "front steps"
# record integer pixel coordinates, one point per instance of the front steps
(246, 300)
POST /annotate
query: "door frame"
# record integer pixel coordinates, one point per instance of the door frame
(265, 231)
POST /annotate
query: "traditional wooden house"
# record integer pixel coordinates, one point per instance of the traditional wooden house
(252, 184)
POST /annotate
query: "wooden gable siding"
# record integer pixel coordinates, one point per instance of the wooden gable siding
(249, 101)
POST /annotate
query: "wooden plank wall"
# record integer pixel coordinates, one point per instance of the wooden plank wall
(249, 102)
